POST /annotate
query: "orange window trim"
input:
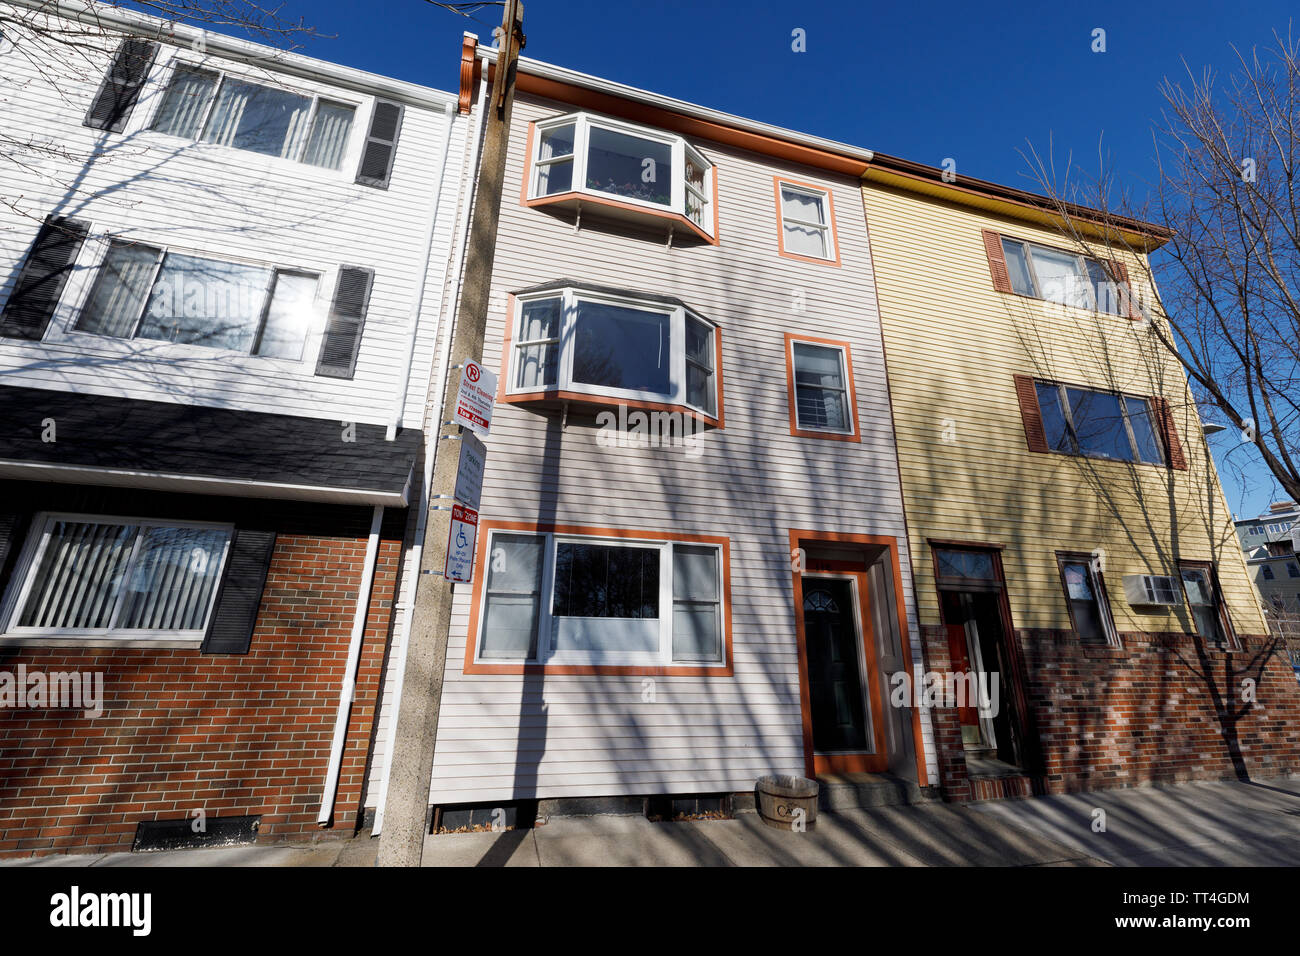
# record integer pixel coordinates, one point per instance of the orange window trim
(795, 430)
(777, 182)
(584, 197)
(726, 669)
(604, 401)
(797, 536)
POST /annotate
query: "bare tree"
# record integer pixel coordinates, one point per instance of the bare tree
(1227, 160)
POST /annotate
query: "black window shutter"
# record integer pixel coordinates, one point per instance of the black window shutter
(338, 353)
(121, 87)
(381, 144)
(231, 629)
(43, 276)
(11, 533)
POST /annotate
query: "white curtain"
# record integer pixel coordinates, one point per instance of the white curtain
(257, 118)
(187, 97)
(121, 290)
(329, 135)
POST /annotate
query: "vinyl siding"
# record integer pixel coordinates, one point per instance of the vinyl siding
(544, 735)
(212, 200)
(953, 346)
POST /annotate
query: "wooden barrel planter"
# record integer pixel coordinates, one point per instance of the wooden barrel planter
(779, 799)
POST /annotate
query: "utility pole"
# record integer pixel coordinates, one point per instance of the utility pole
(406, 811)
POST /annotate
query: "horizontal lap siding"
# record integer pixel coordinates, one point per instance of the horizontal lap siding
(550, 735)
(225, 203)
(953, 345)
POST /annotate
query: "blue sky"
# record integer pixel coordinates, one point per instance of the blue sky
(924, 81)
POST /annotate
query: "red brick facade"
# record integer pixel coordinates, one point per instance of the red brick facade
(231, 735)
(1163, 708)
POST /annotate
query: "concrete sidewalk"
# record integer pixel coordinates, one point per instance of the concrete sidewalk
(1207, 824)
(1191, 824)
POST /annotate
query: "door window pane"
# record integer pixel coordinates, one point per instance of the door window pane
(206, 302)
(966, 564)
(120, 291)
(620, 347)
(513, 600)
(289, 315)
(821, 399)
(630, 166)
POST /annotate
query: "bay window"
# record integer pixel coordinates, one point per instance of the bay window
(213, 107)
(587, 341)
(559, 598)
(89, 576)
(146, 292)
(580, 154)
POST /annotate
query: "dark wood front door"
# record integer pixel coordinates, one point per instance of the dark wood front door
(839, 712)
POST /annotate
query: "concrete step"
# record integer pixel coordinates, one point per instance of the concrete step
(855, 791)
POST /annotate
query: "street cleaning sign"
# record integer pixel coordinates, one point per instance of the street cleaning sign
(474, 400)
(469, 473)
(460, 545)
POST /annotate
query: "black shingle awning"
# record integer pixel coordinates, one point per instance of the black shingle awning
(120, 441)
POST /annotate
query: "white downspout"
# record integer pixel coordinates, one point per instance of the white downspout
(347, 686)
(417, 306)
(416, 554)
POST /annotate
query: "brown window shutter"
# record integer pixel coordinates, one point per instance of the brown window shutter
(1173, 447)
(997, 261)
(1127, 299)
(1027, 392)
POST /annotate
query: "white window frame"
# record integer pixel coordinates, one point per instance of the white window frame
(583, 123)
(78, 293)
(569, 297)
(547, 654)
(34, 549)
(849, 398)
(827, 227)
(351, 149)
(1081, 274)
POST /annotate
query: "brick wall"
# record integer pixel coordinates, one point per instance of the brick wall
(1163, 708)
(182, 731)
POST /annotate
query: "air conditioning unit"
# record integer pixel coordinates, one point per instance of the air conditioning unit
(1151, 589)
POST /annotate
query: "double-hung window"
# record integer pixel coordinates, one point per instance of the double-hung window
(1206, 604)
(1085, 595)
(560, 598)
(220, 108)
(580, 154)
(822, 403)
(1060, 276)
(807, 222)
(91, 576)
(146, 292)
(611, 344)
(1097, 424)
